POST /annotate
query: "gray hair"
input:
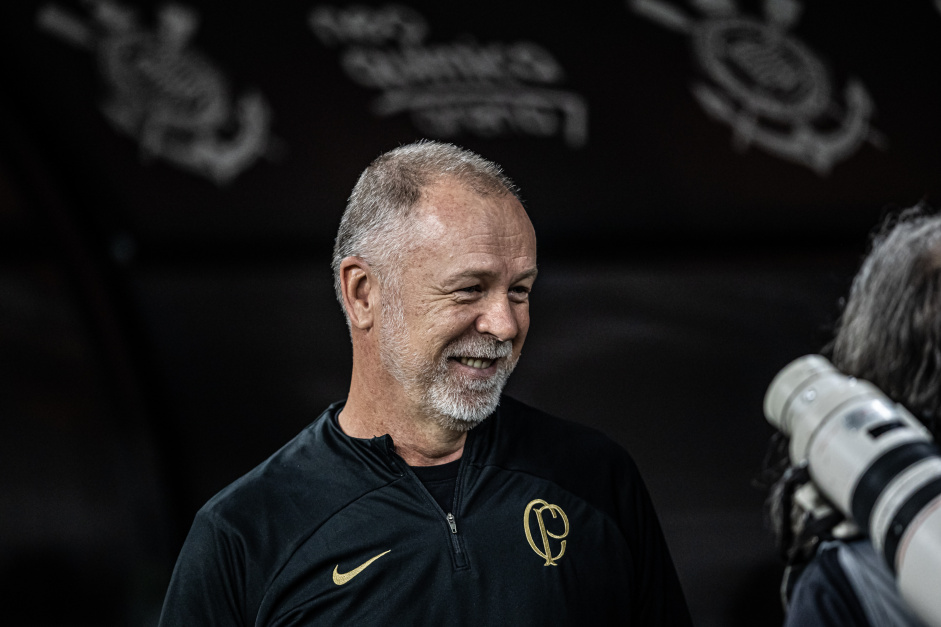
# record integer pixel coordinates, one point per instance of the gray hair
(890, 330)
(375, 223)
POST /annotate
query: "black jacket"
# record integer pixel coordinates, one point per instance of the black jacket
(847, 584)
(279, 546)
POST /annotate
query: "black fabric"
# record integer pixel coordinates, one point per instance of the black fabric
(440, 481)
(824, 597)
(848, 584)
(262, 551)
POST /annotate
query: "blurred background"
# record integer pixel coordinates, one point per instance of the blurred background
(702, 176)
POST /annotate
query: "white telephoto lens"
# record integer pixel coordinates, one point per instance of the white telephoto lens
(873, 460)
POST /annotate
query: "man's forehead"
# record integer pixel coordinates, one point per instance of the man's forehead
(451, 204)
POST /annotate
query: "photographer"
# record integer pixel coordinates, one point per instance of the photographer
(890, 335)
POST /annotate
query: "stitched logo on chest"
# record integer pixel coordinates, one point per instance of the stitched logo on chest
(341, 579)
(537, 508)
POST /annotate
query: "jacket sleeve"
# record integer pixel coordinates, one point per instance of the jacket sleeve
(207, 585)
(823, 596)
(659, 596)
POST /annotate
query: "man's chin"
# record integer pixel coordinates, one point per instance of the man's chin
(464, 414)
(457, 424)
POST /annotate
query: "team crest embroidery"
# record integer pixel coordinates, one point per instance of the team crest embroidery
(537, 510)
(163, 92)
(770, 88)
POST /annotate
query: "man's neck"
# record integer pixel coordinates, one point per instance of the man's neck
(419, 440)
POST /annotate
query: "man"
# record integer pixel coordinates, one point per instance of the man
(425, 497)
(889, 334)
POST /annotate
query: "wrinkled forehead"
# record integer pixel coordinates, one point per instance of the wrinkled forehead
(451, 206)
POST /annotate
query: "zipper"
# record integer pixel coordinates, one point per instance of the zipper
(460, 559)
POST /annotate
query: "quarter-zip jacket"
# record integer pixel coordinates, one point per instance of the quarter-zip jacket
(550, 524)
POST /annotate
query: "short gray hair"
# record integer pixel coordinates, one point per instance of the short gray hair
(374, 224)
(890, 330)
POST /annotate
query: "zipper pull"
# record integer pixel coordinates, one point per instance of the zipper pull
(451, 523)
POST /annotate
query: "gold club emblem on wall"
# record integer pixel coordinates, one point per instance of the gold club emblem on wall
(538, 508)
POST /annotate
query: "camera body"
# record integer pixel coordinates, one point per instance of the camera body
(874, 461)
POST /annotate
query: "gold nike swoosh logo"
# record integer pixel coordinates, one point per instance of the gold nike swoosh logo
(345, 577)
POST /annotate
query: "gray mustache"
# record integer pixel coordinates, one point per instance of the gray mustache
(480, 347)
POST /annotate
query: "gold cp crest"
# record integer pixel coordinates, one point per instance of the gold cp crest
(538, 508)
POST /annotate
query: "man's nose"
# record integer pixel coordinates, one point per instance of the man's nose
(498, 318)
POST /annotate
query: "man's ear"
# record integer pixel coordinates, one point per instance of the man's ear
(360, 294)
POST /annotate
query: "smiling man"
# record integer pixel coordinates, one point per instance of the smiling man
(427, 497)
(442, 299)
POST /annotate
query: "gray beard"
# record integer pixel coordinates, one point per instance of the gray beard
(456, 402)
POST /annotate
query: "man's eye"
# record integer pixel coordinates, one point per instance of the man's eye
(520, 290)
(469, 289)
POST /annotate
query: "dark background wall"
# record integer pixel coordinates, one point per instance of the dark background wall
(702, 177)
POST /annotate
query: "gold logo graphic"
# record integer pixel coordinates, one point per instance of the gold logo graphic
(556, 512)
(345, 577)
